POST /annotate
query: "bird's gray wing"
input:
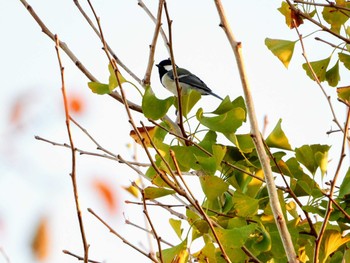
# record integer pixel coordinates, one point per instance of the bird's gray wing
(187, 77)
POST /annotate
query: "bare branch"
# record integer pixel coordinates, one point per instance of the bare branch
(79, 257)
(133, 75)
(257, 139)
(73, 153)
(154, 232)
(148, 12)
(176, 77)
(148, 255)
(152, 47)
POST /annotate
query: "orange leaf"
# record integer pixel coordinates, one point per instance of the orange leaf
(75, 103)
(40, 241)
(150, 129)
(107, 193)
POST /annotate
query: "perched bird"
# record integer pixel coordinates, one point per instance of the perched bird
(187, 80)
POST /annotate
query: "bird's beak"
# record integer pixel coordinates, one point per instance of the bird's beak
(157, 65)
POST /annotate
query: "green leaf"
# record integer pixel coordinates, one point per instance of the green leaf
(225, 123)
(335, 17)
(208, 164)
(156, 192)
(282, 49)
(313, 157)
(113, 82)
(186, 157)
(233, 239)
(177, 253)
(319, 67)
(206, 254)
(263, 241)
(244, 205)
(344, 94)
(332, 75)
(188, 100)
(345, 186)
(99, 88)
(213, 186)
(219, 152)
(243, 142)
(345, 59)
(154, 108)
(227, 105)
(277, 138)
(176, 225)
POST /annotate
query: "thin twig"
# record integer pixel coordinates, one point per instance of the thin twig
(251, 255)
(79, 257)
(152, 48)
(330, 208)
(149, 13)
(148, 255)
(128, 222)
(72, 56)
(158, 238)
(176, 77)
(89, 21)
(257, 139)
(331, 4)
(73, 153)
(314, 75)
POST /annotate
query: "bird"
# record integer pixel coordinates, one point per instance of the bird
(187, 80)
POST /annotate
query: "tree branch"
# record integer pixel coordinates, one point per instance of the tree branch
(257, 139)
(146, 80)
(73, 153)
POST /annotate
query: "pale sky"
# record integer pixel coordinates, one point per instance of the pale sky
(34, 177)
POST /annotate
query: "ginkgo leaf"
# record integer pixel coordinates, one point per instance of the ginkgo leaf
(154, 108)
(277, 138)
(345, 59)
(174, 254)
(99, 88)
(292, 19)
(332, 75)
(335, 17)
(226, 123)
(156, 192)
(40, 240)
(188, 100)
(282, 49)
(147, 133)
(344, 94)
(213, 186)
(319, 67)
(133, 189)
(331, 241)
(113, 81)
(176, 225)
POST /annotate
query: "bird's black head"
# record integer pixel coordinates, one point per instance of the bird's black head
(163, 67)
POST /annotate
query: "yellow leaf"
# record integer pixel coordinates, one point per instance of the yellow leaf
(40, 241)
(150, 130)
